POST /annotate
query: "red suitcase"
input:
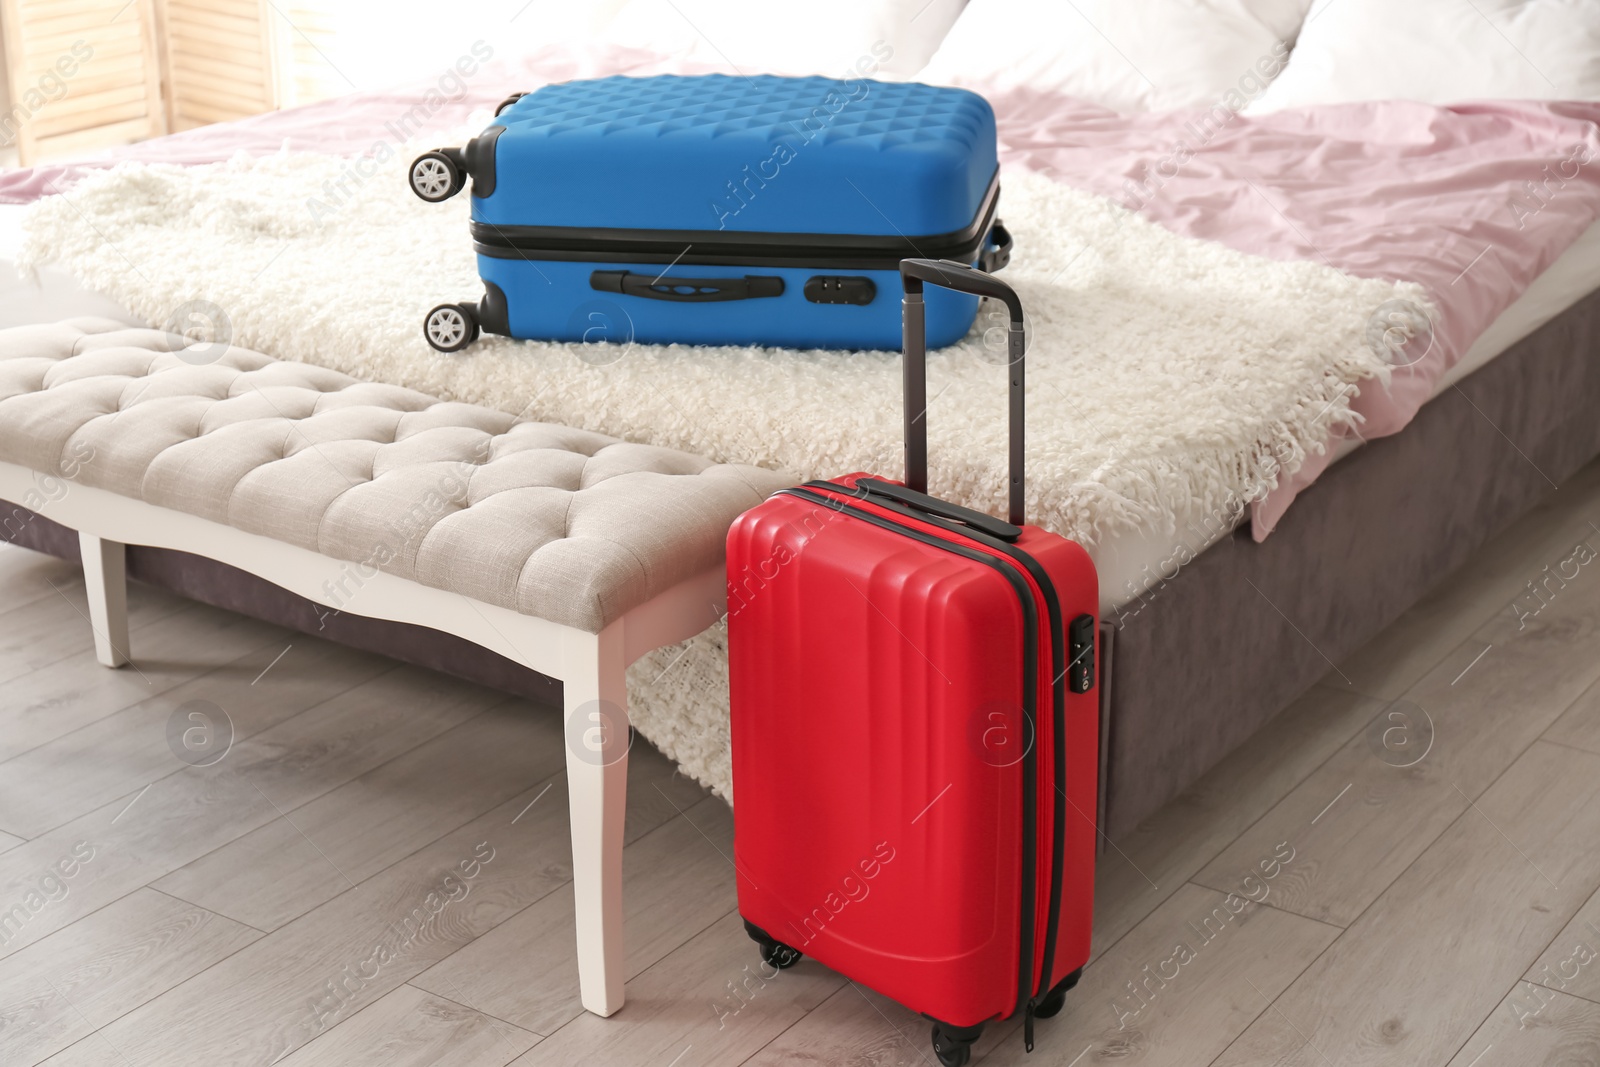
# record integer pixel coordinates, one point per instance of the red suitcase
(915, 730)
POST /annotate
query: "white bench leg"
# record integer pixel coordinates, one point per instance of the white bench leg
(105, 574)
(596, 701)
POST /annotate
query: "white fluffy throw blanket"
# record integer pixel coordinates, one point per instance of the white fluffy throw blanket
(1167, 377)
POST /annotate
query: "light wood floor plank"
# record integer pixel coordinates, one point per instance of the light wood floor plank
(281, 871)
(27, 576)
(1416, 975)
(413, 1028)
(150, 832)
(1571, 962)
(859, 1026)
(1488, 583)
(61, 989)
(46, 786)
(291, 986)
(57, 699)
(677, 881)
(1359, 821)
(57, 626)
(1146, 867)
(7, 841)
(1142, 1004)
(685, 1009)
(1566, 1033)
(1579, 727)
(91, 1051)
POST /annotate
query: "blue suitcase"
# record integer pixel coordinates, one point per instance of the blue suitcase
(720, 210)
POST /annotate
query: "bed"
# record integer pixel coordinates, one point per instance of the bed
(1480, 190)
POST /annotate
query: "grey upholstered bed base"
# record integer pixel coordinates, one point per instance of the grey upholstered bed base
(1207, 659)
(1210, 660)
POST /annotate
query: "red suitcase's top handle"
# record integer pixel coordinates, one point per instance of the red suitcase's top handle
(913, 273)
(986, 524)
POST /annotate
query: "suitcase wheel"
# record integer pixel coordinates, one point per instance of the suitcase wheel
(451, 327)
(773, 951)
(507, 102)
(435, 177)
(953, 1044)
(780, 955)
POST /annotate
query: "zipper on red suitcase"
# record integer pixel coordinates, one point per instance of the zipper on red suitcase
(1028, 992)
(999, 536)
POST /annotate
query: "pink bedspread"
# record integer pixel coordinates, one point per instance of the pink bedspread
(1471, 201)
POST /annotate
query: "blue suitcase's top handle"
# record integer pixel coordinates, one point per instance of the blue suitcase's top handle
(688, 290)
(913, 274)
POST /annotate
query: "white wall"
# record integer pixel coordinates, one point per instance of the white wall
(379, 42)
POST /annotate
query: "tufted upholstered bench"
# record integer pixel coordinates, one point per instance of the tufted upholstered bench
(569, 552)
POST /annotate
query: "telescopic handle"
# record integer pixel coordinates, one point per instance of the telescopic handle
(913, 274)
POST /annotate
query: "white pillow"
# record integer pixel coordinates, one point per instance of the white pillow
(832, 37)
(1129, 55)
(1441, 51)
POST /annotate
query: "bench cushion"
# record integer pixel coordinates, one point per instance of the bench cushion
(568, 525)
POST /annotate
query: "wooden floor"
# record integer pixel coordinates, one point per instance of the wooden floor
(374, 869)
